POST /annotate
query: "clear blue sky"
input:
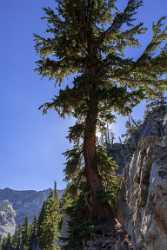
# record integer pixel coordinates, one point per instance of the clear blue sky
(31, 144)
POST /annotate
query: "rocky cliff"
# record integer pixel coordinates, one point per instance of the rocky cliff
(7, 218)
(143, 198)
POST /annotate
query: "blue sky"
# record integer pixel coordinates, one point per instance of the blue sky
(31, 144)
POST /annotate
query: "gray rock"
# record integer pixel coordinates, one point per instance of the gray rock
(7, 219)
(143, 198)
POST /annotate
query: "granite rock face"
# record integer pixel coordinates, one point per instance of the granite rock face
(143, 198)
(25, 203)
(7, 218)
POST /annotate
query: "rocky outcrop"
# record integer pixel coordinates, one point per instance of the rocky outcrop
(7, 219)
(143, 198)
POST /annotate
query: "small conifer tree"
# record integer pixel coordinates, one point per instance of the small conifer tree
(25, 234)
(33, 242)
(48, 223)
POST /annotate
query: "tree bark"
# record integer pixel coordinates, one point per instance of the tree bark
(100, 210)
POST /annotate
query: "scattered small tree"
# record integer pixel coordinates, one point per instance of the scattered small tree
(33, 241)
(25, 234)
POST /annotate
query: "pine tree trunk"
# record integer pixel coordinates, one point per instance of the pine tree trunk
(99, 208)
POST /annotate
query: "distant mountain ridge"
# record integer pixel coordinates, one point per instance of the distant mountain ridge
(26, 203)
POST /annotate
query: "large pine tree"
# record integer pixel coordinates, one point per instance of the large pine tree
(87, 40)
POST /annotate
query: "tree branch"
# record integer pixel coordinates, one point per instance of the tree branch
(122, 18)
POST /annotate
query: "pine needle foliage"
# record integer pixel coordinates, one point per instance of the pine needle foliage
(48, 223)
(87, 40)
(111, 182)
